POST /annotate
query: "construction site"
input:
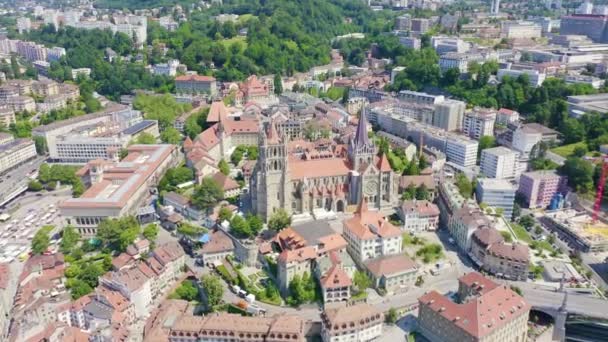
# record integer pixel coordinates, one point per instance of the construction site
(580, 230)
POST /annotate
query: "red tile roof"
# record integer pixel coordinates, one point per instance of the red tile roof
(225, 182)
(515, 251)
(335, 277)
(194, 78)
(298, 255)
(480, 316)
(218, 112)
(388, 265)
(368, 225)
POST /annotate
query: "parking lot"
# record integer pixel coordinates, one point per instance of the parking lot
(28, 215)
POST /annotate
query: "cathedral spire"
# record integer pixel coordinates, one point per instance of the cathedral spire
(272, 134)
(361, 138)
(362, 207)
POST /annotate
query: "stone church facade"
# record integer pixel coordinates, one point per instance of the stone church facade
(307, 177)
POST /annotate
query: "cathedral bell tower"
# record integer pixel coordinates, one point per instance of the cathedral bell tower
(273, 183)
(361, 150)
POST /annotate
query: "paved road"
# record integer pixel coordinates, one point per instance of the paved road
(540, 296)
(15, 178)
(556, 158)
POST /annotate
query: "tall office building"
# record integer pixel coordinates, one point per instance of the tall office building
(495, 7)
(449, 114)
(498, 162)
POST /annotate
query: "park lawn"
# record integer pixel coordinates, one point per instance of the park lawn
(243, 18)
(567, 150)
(228, 42)
(521, 233)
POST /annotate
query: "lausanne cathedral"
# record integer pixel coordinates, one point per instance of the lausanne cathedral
(319, 177)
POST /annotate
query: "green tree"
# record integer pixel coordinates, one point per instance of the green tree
(279, 220)
(34, 185)
(527, 221)
(150, 232)
(174, 177)
(187, 291)
(119, 233)
(145, 138)
(409, 193)
(465, 186)
(207, 194)
(362, 281)
(171, 136)
(580, 151)
(486, 141)
(90, 273)
(278, 84)
(239, 227)
(224, 167)
(69, 239)
(225, 214)
(252, 152)
(237, 154)
(391, 316)
(41, 240)
(301, 290)
(40, 143)
(579, 173)
(255, 223)
(78, 288)
(214, 290)
(422, 193)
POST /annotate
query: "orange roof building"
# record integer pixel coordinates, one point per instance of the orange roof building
(196, 84)
(219, 140)
(117, 188)
(486, 311)
(370, 235)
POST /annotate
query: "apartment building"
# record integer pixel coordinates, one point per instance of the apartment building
(305, 244)
(449, 44)
(357, 323)
(441, 319)
(478, 123)
(21, 104)
(7, 116)
(593, 26)
(14, 152)
(146, 280)
(403, 22)
(99, 141)
(464, 222)
(461, 151)
(496, 193)
(539, 187)
(499, 162)
(495, 256)
(31, 51)
(524, 139)
(370, 235)
(460, 60)
(520, 29)
(420, 97)
(506, 116)
(117, 188)
(68, 139)
(419, 216)
(449, 115)
(223, 326)
(535, 77)
(420, 25)
(195, 84)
